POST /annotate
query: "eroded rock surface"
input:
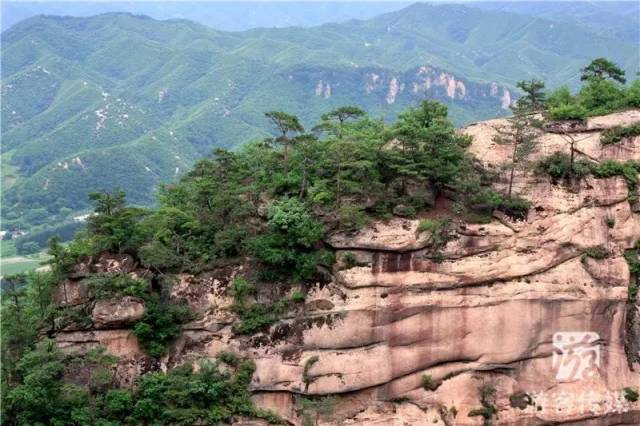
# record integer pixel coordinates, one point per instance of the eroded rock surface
(483, 316)
(115, 313)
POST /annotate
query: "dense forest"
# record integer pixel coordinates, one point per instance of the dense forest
(269, 206)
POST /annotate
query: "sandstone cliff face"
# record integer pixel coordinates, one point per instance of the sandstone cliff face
(483, 318)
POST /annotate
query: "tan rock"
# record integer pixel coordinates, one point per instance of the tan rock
(118, 312)
(70, 293)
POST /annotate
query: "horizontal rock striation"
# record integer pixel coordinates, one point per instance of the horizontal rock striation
(480, 317)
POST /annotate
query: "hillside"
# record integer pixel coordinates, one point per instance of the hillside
(118, 100)
(344, 280)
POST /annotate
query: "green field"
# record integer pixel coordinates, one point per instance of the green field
(17, 264)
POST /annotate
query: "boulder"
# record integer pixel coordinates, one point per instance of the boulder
(114, 263)
(70, 293)
(117, 312)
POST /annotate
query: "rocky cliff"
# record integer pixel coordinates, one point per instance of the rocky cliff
(474, 337)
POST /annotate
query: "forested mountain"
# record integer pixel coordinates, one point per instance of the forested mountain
(118, 100)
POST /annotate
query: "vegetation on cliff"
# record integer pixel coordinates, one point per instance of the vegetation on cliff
(269, 206)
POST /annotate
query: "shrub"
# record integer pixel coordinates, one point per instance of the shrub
(487, 399)
(632, 94)
(631, 394)
(260, 316)
(558, 166)
(520, 400)
(208, 396)
(596, 252)
(616, 134)
(30, 247)
(610, 222)
(161, 324)
(429, 225)
(428, 383)
(306, 379)
(109, 285)
(572, 111)
(352, 218)
(316, 407)
(349, 260)
(239, 289)
(228, 358)
(297, 297)
(515, 207)
(600, 96)
(404, 211)
(158, 256)
(628, 170)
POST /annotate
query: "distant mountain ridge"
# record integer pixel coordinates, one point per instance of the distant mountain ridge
(118, 100)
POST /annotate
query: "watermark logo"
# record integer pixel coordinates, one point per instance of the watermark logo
(576, 355)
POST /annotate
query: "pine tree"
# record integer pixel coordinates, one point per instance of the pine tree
(286, 124)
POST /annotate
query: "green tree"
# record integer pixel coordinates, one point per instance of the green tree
(334, 120)
(285, 124)
(602, 68)
(113, 225)
(521, 133)
(601, 96)
(428, 145)
(533, 99)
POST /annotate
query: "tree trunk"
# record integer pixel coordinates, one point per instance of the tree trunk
(513, 168)
(286, 157)
(303, 184)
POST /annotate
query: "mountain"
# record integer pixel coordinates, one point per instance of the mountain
(120, 100)
(224, 15)
(619, 19)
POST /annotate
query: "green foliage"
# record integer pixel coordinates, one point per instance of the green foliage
(428, 225)
(558, 166)
(632, 94)
(228, 358)
(315, 408)
(487, 399)
(533, 98)
(428, 383)
(520, 400)
(287, 247)
(161, 324)
(111, 285)
(632, 256)
(180, 396)
(602, 68)
(306, 378)
(259, 316)
(522, 131)
(41, 395)
(569, 111)
(427, 147)
(113, 227)
(601, 96)
(631, 394)
(240, 288)
(610, 222)
(596, 252)
(56, 122)
(297, 297)
(349, 260)
(616, 134)
(26, 310)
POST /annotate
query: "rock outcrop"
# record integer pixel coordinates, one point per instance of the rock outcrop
(403, 338)
(116, 313)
